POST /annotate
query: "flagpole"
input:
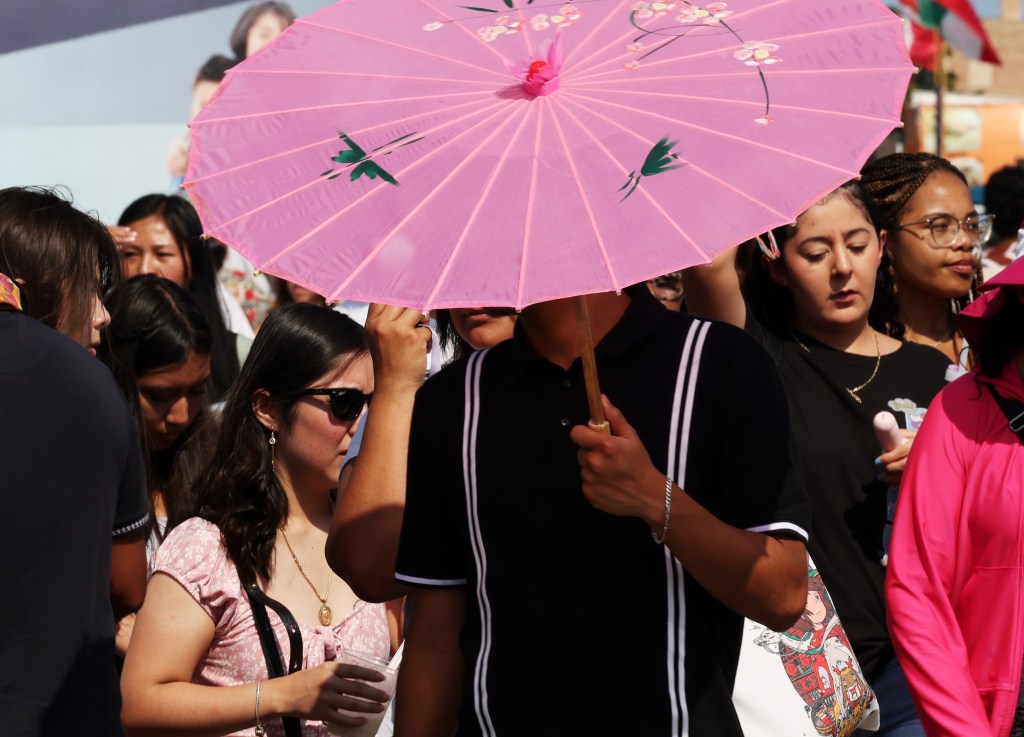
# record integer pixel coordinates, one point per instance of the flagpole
(940, 73)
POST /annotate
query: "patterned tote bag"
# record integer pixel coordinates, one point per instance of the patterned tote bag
(806, 681)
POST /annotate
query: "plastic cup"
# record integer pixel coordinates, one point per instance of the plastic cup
(390, 682)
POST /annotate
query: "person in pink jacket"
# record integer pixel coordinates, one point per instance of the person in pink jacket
(955, 584)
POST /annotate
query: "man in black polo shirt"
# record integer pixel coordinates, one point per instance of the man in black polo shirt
(545, 607)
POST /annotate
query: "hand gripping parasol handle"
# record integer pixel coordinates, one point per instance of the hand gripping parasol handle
(597, 420)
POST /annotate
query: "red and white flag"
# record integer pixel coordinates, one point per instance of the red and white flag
(955, 21)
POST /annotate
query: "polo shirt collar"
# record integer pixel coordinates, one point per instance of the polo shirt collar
(640, 320)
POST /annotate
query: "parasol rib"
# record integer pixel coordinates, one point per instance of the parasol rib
(776, 72)
(448, 179)
(303, 73)
(726, 101)
(783, 217)
(471, 220)
(718, 51)
(455, 22)
(379, 187)
(333, 138)
(586, 204)
(530, 199)
(578, 47)
(712, 132)
(336, 106)
(413, 49)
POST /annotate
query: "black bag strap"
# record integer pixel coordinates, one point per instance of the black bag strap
(1013, 410)
(259, 603)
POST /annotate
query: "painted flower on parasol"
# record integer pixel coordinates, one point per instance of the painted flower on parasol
(511, 126)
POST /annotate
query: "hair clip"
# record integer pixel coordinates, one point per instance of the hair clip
(10, 294)
(771, 249)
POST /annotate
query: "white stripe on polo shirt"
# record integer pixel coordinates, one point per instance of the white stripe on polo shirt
(679, 443)
(781, 527)
(684, 448)
(431, 581)
(471, 424)
(672, 568)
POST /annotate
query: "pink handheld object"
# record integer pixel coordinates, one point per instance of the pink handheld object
(887, 430)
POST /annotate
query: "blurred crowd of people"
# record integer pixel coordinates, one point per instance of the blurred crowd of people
(211, 454)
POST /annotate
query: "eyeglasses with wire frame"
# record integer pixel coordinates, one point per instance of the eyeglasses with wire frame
(945, 229)
(346, 404)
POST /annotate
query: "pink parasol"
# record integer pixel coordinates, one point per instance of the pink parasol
(430, 154)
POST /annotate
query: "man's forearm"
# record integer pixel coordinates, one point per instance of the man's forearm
(762, 577)
(367, 524)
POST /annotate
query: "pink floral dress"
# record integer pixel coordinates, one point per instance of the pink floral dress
(193, 555)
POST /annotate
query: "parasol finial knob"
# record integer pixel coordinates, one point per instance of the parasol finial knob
(541, 76)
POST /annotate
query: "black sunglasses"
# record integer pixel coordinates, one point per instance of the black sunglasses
(346, 404)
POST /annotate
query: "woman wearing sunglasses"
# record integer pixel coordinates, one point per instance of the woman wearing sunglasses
(935, 239)
(257, 546)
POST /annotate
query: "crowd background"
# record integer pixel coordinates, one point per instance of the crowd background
(190, 337)
(115, 99)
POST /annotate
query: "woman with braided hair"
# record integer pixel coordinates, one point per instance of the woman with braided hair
(935, 234)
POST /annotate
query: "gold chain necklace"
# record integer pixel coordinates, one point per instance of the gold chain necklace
(325, 614)
(913, 334)
(874, 373)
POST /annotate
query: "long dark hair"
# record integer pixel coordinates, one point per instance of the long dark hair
(1003, 336)
(296, 346)
(154, 324)
(182, 220)
(65, 257)
(892, 180)
(773, 304)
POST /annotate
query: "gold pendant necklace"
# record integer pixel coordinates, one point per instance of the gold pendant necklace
(878, 362)
(324, 614)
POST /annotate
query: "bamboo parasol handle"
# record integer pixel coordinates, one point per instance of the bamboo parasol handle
(597, 420)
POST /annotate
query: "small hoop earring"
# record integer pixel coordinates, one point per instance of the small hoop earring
(272, 442)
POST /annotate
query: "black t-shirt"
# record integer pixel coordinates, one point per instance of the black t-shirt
(837, 447)
(576, 622)
(71, 479)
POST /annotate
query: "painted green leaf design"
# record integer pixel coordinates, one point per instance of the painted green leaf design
(510, 4)
(372, 171)
(478, 10)
(348, 157)
(362, 163)
(659, 160)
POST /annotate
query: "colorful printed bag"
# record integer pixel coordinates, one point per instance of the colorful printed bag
(805, 681)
